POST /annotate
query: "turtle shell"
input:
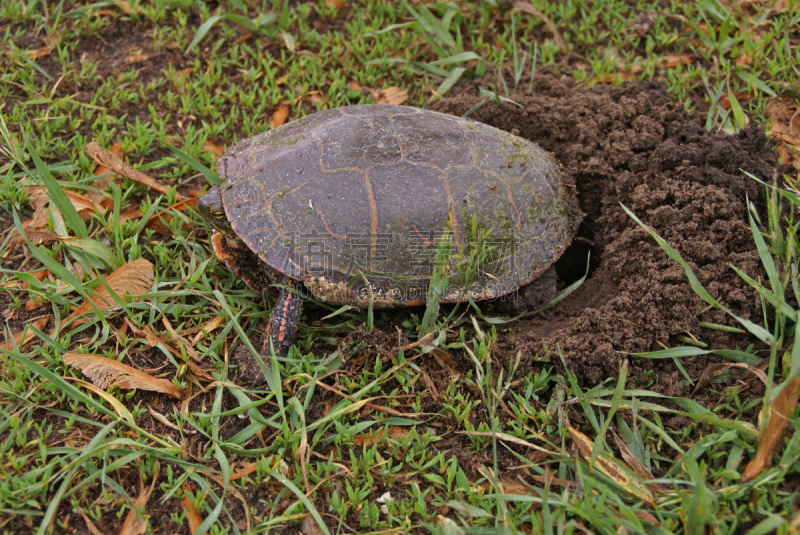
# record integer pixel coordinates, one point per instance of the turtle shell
(366, 203)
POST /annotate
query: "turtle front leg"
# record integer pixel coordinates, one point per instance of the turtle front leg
(283, 321)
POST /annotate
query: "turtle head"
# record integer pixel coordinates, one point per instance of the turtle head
(210, 207)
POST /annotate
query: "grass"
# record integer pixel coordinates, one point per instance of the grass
(328, 437)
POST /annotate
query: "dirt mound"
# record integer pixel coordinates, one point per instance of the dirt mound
(636, 146)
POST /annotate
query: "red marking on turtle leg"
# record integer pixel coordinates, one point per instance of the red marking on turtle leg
(241, 262)
(219, 250)
(283, 322)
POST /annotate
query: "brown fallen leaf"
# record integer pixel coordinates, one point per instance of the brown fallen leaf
(114, 162)
(725, 101)
(779, 411)
(38, 275)
(137, 58)
(429, 383)
(89, 524)
(136, 521)
(208, 327)
(49, 45)
(134, 278)
(636, 465)
(105, 372)
(279, 116)
(28, 333)
(104, 182)
(83, 205)
(126, 8)
(192, 514)
(338, 4)
(395, 432)
(315, 97)
(712, 370)
(390, 95)
(670, 61)
(133, 213)
(611, 467)
(785, 118)
(245, 470)
(213, 148)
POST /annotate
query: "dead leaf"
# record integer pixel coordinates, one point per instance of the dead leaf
(355, 86)
(208, 327)
(245, 470)
(390, 95)
(49, 45)
(611, 467)
(35, 303)
(213, 148)
(315, 97)
(779, 411)
(725, 101)
(134, 278)
(785, 116)
(83, 205)
(89, 524)
(136, 521)
(395, 432)
(137, 58)
(636, 465)
(429, 383)
(279, 116)
(133, 213)
(192, 514)
(445, 361)
(126, 8)
(714, 369)
(670, 61)
(114, 162)
(38, 275)
(103, 183)
(338, 4)
(29, 334)
(105, 373)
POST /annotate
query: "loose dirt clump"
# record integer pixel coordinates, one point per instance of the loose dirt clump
(636, 146)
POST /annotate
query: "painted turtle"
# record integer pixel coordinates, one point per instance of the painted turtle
(353, 204)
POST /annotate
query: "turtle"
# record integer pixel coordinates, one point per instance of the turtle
(362, 205)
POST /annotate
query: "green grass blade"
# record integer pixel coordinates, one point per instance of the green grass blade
(211, 177)
(202, 31)
(56, 193)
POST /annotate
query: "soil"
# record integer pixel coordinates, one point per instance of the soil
(637, 147)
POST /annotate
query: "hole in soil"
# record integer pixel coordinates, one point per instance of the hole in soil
(635, 146)
(572, 264)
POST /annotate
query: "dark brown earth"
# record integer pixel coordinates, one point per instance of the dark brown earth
(635, 146)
